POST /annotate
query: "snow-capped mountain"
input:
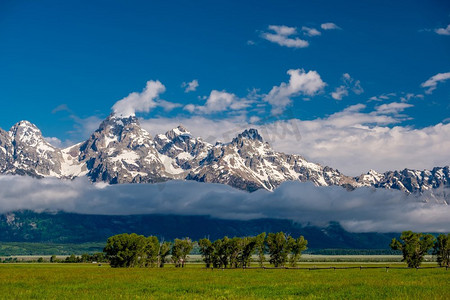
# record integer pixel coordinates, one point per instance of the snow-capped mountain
(248, 163)
(121, 151)
(24, 151)
(407, 180)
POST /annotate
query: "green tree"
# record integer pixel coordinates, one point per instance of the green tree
(72, 259)
(223, 251)
(234, 250)
(207, 251)
(414, 246)
(260, 247)
(180, 251)
(151, 251)
(278, 248)
(53, 259)
(164, 251)
(85, 258)
(40, 260)
(296, 246)
(442, 250)
(98, 257)
(248, 246)
(125, 250)
(216, 254)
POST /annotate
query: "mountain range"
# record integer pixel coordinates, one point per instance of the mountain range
(121, 151)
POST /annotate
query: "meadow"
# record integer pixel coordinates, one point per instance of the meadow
(91, 281)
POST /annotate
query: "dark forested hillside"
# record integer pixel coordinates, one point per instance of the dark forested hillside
(61, 227)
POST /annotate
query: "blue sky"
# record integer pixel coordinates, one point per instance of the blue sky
(64, 64)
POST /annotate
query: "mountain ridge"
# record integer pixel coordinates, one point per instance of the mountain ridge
(121, 151)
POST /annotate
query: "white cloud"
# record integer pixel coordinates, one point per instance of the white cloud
(300, 82)
(54, 141)
(349, 84)
(432, 82)
(310, 31)
(283, 30)
(329, 26)
(219, 101)
(189, 107)
(168, 106)
(443, 31)
(139, 102)
(392, 108)
(61, 107)
(190, 86)
(382, 97)
(361, 210)
(408, 96)
(282, 37)
(346, 143)
(354, 140)
(340, 92)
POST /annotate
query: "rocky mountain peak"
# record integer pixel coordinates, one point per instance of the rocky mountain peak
(118, 122)
(121, 151)
(26, 132)
(249, 134)
(180, 130)
(29, 153)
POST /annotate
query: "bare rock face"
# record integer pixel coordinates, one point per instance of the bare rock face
(6, 152)
(120, 151)
(249, 163)
(26, 152)
(179, 145)
(407, 180)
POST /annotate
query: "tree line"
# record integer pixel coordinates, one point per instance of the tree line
(415, 246)
(132, 250)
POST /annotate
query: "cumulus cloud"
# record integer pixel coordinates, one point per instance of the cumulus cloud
(300, 83)
(54, 141)
(405, 97)
(339, 92)
(283, 36)
(443, 31)
(219, 101)
(392, 108)
(361, 210)
(432, 82)
(349, 84)
(353, 140)
(382, 97)
(329, 26)
(190, 86)
(139, 102)
(167, 105)
(310, 31)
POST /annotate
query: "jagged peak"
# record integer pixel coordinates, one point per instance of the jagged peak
(118, 121)
(23, 123)
(373, 172)
(251, 134)
(180, 130)
(25, 128)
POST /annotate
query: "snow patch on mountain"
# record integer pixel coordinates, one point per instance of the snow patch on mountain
(121, 151)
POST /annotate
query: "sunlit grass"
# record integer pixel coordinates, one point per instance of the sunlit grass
(81, 281)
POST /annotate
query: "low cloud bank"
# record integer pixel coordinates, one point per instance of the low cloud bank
(362, 210)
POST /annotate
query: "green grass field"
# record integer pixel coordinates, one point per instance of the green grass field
(90, 281)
